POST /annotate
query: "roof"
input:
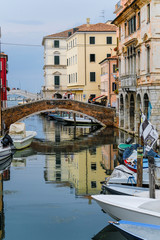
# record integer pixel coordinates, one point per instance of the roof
(109, 58)
(99, 27)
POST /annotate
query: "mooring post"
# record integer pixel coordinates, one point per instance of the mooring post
(139, 166)
(151, 166)
(74, 117)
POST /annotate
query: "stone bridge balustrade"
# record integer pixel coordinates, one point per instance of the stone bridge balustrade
(105, 116)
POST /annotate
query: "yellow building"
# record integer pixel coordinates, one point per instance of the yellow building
(88, 45)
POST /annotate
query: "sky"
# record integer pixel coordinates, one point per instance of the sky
(24, 23)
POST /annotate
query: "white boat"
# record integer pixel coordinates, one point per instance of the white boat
(79, 121)
(21, 138)
(129, 208)
(122, 175)
(130, 190)
(137, 230)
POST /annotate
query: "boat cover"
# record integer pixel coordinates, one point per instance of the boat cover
(17, 129)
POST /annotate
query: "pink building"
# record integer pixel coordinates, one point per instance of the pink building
(108, 80)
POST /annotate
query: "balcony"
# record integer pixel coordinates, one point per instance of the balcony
(128, 81)
(118, 7)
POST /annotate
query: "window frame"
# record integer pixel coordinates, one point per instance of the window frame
(91, 40)
(92, 76)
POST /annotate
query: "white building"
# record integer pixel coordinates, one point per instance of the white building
(55, 64)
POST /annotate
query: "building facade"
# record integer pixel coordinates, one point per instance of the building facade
(108, 80)
(138, 25)
(55, 65)
(86, 47)
(3, 78)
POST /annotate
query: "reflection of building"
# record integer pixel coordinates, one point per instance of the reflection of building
(139, 66)
(109, 156)
(59, 132)
(82, 170)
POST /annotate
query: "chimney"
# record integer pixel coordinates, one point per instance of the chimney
(88, 22)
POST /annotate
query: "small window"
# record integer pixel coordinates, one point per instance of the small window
(125, 29)
(92, 95)
(148, 13)
(114, 68)
(56, 80)
(92, 40)
(139, 20)
(56, 43)
(93, 184)
(93, 166)
(56, 60)
(108, 55)
(109, 40)
(92, 76)
(148, 59)
(92, 57)
(114, 86)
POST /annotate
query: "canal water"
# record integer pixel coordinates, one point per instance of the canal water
(46, 190)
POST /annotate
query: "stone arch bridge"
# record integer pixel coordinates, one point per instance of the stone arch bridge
(103, 115)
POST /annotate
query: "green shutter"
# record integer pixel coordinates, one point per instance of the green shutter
(56, 81)
(56, 43)
(56, 60)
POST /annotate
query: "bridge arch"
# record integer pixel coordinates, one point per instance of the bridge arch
(103, 115)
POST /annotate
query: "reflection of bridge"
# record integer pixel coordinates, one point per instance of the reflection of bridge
(105, 116)
(23, 93)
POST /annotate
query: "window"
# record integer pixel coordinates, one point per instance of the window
(132, 25)
(93, 166)
(67, 61)
(139, 63)
(92, 76)
(92, 57)
(69, 78)
(56, 80)
(92, 40)
(114, 68)
(93, 184)
(109, 40)
(125, 29)
(119, 33)
(148, 59)
(148, 13)
(114, 86)
(139, 20)
(56, 60)
(108, 55)
(92, 95)
(56, 43)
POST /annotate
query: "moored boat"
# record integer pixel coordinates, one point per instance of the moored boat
(137, 230)
(129, 208)
(21, 138)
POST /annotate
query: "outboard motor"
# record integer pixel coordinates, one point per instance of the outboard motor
(6, 141)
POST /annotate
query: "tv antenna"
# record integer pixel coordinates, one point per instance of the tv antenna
(102, 15)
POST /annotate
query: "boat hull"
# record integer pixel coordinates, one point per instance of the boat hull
(24, 142)
(121, 208)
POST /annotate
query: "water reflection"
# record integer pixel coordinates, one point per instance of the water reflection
(108, 233)
(48, 178)
(4, 176)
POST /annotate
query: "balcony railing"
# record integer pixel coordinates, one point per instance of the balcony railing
(118, 6)
(128, 80)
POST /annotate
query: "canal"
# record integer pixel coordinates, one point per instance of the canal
(46, 190)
